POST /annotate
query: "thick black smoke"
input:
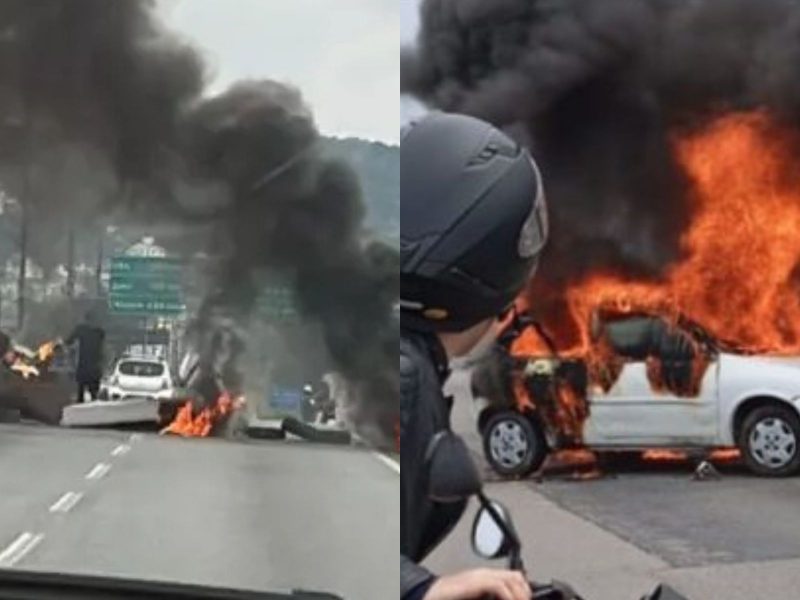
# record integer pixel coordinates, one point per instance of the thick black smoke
(103, 80)
(596, 88)
(289, 209)
(91, 93)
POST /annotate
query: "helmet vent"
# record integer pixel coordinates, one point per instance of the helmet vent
(485, 155)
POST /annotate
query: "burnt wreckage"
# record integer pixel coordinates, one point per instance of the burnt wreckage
(556, 384)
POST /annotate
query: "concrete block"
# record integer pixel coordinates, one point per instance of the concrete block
(115, 412)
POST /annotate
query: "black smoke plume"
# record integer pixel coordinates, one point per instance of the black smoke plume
(104, 80)
(596, 89)
(290, 209)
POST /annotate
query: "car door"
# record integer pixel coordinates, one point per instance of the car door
(632, 413)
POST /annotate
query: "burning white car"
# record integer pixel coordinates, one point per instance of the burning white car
(645, 383)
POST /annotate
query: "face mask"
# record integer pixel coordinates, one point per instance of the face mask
(479, 351)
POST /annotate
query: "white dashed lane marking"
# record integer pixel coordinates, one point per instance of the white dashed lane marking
(66, 503)
(120, 450)
(98, 471)
(392, 464)
(22, 545)
(25, 542)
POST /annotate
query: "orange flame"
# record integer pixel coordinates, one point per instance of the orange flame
(30, 363)
(187, 424)
(720, 455)
(529, 343)
(739, 273)
(664, 455)
(726, 455)
(27, 371)
(45, 351)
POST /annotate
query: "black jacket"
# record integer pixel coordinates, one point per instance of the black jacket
(90, 351)
(424, 411)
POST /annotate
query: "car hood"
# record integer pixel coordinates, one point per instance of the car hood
(39, 584)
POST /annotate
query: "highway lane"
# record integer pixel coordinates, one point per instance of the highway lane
(736, 537)
(260, 515)
(37, 464)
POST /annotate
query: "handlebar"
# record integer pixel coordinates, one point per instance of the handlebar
(561, 591)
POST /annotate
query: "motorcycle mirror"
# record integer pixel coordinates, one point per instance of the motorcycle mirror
(489, 540)
(452, 475)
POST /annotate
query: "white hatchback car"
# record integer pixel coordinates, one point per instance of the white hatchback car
(139, 378)
(744, 400)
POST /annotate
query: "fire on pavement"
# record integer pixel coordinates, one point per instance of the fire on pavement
(190, 422)
(31, 363)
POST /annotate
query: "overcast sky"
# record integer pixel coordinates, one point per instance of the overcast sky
(409, 23)
(409, 19)
(343, 54)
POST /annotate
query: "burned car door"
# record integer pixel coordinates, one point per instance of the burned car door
(665, 393)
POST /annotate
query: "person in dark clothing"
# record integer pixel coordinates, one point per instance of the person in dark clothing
(7, 355)
(473, 223)
(89, 338)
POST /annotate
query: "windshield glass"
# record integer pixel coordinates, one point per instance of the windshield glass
(141, 369)
(199, 218)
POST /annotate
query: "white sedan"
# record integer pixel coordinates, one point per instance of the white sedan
(748, 401)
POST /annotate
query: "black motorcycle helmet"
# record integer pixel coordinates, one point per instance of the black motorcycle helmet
(473, 222)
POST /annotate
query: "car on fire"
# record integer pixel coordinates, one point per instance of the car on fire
(647, 382)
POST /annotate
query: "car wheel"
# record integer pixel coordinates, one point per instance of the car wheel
(513, 444)
(769, 441)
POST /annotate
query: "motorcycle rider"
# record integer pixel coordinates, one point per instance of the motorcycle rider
(473, 224)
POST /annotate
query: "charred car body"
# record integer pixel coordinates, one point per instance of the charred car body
(644, 382)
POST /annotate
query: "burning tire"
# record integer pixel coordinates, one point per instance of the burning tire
(769, 441)
(513, 444)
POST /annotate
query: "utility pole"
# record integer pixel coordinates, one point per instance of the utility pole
(27, 142)
(98, 271)
(71, 262)
(23, 249)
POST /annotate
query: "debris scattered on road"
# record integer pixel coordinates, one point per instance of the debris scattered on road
(705, 471)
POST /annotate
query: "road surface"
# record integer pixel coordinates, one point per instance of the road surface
(262, 515)
(736, 538)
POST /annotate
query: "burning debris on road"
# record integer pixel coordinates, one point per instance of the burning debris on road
(190, 422)
(106, 83)
(27, 363)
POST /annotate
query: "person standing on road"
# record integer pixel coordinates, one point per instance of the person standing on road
(7, 355)
(473, 224)
(89, 338)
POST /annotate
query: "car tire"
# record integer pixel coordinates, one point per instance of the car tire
(513, 444)
(770, 441)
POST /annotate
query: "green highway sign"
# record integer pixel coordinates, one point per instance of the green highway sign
(145, 285)
(143, 306)
(145, 266)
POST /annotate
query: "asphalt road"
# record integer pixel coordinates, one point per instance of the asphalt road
(738, 518)
(737, 537)
(262, 515)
